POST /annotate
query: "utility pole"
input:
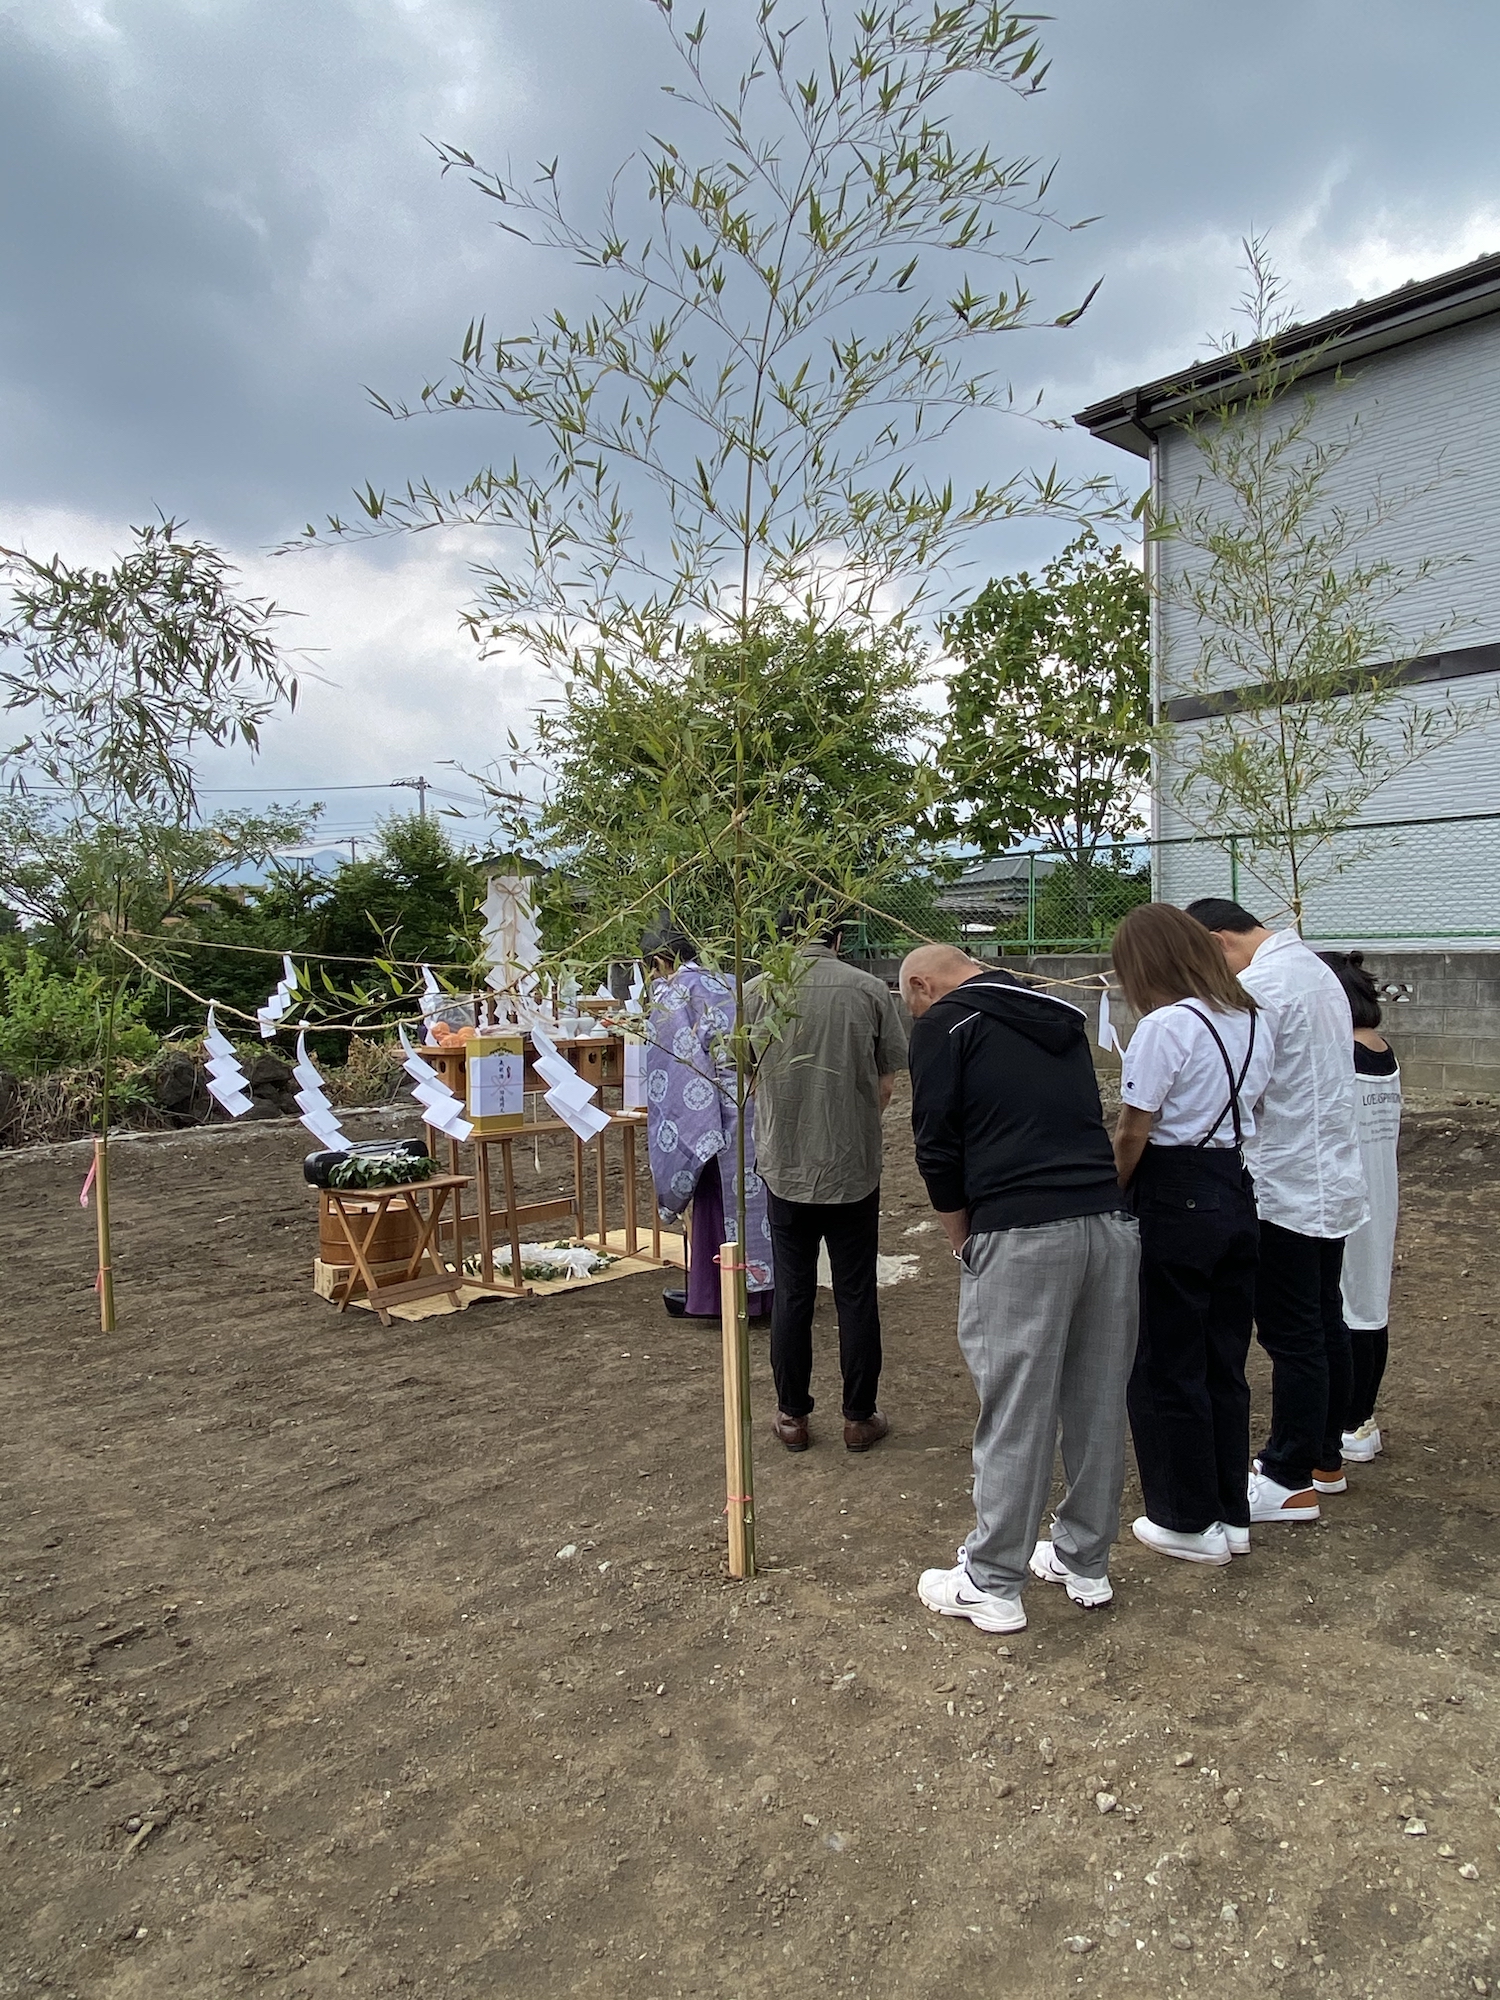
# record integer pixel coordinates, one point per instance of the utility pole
(417, 785)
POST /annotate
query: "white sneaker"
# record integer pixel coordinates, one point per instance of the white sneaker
(1329, 1482)
(1270, 1502)
(1364, 1444)
(955, 1594)
(1237, 1538)
(1209, 1546)
(1048, 1567)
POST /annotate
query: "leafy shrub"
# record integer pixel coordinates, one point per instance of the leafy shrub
(51, 1023)
(371, 1072)
(65, 1104)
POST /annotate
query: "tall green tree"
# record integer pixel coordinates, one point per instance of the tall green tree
(116, 677)
(414, 898)
(643, 777)
(59, 872)
(1048, 730)
(802, 280)
(1276, 568)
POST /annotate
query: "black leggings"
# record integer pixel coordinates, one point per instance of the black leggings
(1369, 1346)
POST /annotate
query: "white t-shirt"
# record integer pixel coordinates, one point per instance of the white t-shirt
(1172, 1067)
(1305, 1156)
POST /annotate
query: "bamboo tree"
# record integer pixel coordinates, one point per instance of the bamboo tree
(118, 675)
(1274, 563)
(801, 278)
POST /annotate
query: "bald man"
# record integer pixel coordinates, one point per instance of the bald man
(1011, 1143)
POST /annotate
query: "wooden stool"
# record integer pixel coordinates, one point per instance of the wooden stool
(353, 1205)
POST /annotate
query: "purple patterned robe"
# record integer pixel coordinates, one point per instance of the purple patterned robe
(690, 1114)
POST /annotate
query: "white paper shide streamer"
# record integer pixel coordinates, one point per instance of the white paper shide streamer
(280, 1001)
(432, 993)
(570, 1098)
(440, 1107)
(228, 1085)
(634, 1096)
(312, 1101)
(512, 940)
(1109, 1035)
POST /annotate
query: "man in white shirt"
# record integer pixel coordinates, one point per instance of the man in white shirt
(1309, 1194)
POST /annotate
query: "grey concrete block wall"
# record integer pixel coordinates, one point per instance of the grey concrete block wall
(1442, 1016)
(1076, 976)
(1442, 1011)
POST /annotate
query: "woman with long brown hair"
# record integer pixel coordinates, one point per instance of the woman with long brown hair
(1192, 1080)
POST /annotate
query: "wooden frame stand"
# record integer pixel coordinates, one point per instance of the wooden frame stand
(490, 1225)
(384, 1289)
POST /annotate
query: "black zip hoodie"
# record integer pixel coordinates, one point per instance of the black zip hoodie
(1005, 1108)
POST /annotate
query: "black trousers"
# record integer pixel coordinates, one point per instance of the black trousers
(1188, 1398)
(1369, 1349)
(851, 1230)
(1299, 1321)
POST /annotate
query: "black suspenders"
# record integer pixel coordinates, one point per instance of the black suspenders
(1232, 1108)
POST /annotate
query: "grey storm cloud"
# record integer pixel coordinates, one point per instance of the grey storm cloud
(221, 220)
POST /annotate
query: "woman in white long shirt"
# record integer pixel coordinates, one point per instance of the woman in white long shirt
(1368, 1254)
(1193, 1078)
(1309, 1195)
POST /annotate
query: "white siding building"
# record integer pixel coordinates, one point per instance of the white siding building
(1420, 371)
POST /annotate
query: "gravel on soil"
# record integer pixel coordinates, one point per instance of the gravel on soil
(341, 1659)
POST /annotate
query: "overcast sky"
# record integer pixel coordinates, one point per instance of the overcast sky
(220, 219)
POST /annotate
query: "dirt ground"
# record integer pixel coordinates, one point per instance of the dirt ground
(341, 1660)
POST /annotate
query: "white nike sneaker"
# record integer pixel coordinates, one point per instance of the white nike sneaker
(955, 1594)
(1210, 1545)
(1270, 1502)
(1364, 1444)
(1237, 1538)
(1047, 1566)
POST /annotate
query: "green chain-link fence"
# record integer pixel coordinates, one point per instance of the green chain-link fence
(1417, 881)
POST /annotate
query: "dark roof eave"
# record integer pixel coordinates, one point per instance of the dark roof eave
(1131, 420)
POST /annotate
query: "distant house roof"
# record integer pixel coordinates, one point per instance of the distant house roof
(997, 886)
(1006, 868)
(1412, 312)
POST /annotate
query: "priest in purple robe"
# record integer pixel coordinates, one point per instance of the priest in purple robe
(692, 1125)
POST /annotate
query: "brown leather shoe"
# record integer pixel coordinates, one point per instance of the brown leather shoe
(862, 1436)
(791, 1430)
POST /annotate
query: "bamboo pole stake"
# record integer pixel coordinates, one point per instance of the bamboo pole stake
(101, 1223)
(740, 1509)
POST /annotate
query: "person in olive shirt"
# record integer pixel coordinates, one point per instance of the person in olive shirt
(820, 1089)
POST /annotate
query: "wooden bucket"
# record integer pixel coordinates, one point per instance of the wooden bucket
(395, 1238)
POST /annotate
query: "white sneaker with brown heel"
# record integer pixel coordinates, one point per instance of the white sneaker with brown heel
(1270, 1502)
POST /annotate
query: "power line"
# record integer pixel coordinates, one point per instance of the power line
(300, 791)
